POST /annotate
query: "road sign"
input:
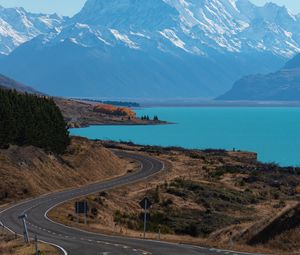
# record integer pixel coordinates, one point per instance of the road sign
(145, 203)
(23, 216)
(81, 207)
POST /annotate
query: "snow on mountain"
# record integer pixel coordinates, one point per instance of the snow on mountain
(190, 25)
(18, 26)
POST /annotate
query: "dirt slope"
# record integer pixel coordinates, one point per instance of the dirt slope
(29, 171)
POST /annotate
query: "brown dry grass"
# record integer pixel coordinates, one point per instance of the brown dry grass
(10, 245)
(29, 171)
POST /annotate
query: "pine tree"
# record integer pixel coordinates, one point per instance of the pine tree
(155, 118)
(27, 119)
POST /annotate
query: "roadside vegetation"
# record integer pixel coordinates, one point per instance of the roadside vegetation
(10, 244)
(208, 197)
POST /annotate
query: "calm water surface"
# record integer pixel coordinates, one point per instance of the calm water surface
(274, 133)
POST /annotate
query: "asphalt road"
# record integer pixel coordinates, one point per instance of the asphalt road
(76, 242)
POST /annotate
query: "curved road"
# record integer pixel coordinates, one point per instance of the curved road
(77, 242)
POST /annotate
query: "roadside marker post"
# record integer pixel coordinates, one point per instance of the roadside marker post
(25, 230)
(145, 204)
(2, 226)
(77, 211)
(37, 252)
(85, 213)
(159, 233)
(145, 218)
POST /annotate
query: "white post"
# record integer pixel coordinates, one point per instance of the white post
(159, 233)
(26, 236)
(145, 218)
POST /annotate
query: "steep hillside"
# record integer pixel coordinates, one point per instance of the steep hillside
(156, 48)
(29, 171)
(283, 85)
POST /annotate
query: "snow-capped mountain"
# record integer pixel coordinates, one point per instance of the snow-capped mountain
(194, 25)
(151, 48)
(18, 26)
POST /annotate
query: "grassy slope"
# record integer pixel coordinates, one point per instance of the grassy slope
(29, 171)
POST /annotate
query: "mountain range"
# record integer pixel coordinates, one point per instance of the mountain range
(18, 26)
(148, 48)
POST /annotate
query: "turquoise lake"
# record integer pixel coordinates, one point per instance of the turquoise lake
(274, 133)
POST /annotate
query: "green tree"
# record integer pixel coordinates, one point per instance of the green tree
(27, 119)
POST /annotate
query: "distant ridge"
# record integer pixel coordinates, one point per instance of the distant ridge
(8, 83)
(283, 85)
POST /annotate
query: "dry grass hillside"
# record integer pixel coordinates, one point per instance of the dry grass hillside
(30, 171)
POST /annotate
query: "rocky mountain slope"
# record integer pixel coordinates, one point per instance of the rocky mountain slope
(157, 48)
(283, 85)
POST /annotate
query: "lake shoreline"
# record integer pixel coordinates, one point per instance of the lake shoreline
(245, 129)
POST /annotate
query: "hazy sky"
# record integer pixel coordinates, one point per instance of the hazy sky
(70, 7)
